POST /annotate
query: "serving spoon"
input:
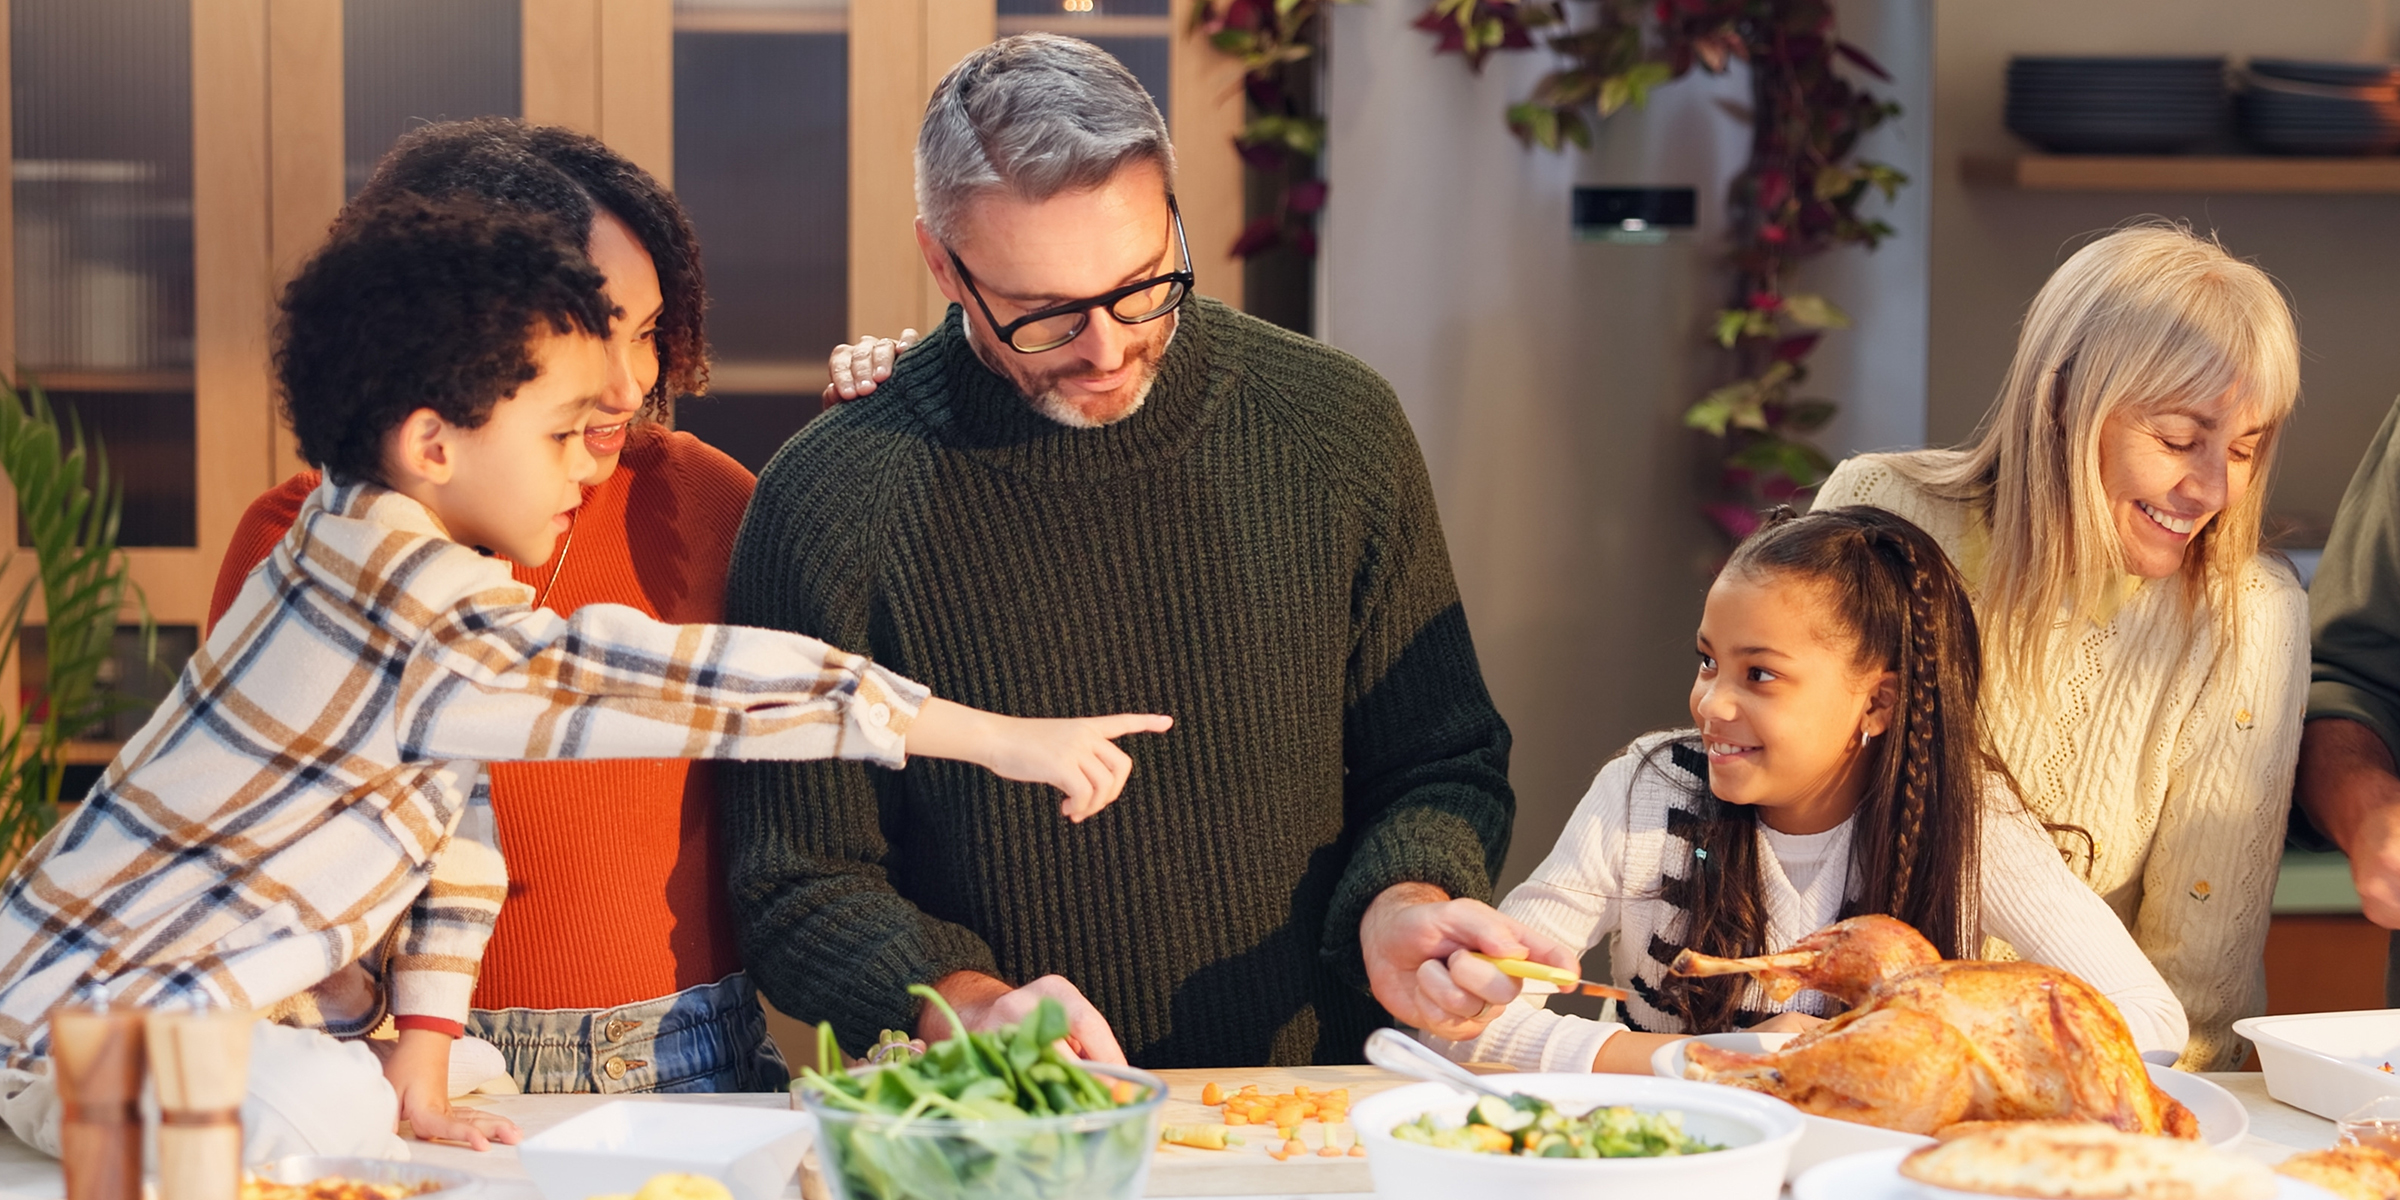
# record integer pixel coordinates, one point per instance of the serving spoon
(1401, 1054)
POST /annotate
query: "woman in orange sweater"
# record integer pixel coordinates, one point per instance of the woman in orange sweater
(613, 966)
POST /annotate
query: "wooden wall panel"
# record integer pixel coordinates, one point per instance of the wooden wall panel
(561, 48)
(637, 82)
(305, 140)
(898, 50)
(233, 286)
(606, 67)
(1205, 99)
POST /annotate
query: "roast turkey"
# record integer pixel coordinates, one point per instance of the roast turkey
(1927, 1043)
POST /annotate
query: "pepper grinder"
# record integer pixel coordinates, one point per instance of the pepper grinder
(96, 1062)
(200, 1070)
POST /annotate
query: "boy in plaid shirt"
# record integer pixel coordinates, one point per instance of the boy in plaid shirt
(302, 828)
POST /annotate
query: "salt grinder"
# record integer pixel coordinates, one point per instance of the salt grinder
(96, 1058)
(200, 1070)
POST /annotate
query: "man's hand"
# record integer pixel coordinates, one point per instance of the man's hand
(1416, 941)
(418, 1068)
(856, 367)
(985, 1003)
(2348, 785)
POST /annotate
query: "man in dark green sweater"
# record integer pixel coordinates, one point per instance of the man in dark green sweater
(1089, 492)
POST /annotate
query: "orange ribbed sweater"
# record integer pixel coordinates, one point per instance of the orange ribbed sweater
(616, 891)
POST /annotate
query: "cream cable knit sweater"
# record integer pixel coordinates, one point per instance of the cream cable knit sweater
(1603, 877)
(2181, 768)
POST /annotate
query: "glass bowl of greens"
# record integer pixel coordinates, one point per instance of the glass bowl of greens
(1002, 1115)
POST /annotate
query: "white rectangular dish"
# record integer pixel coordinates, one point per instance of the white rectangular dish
(2330, 1064)
(754, 1152)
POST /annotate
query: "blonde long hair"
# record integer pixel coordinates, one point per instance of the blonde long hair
(2146, 316)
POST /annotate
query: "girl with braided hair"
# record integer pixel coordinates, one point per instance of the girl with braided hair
(1836, 766)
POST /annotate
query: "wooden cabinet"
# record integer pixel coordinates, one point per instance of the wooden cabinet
(175, 160)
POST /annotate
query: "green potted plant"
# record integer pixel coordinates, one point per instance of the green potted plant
(68, 509)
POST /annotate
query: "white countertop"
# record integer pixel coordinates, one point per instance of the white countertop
(2276, 1130)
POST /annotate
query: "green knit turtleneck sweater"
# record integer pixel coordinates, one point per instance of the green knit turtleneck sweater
(1254, 552)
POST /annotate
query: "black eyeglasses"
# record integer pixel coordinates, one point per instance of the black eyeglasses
(1055, 326)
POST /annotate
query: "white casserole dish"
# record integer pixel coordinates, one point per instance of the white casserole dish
(618, 1146)
(2327, 1063)
(1757, 1131)
(2223, 1120)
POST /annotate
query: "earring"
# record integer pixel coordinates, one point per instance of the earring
(1863, 735)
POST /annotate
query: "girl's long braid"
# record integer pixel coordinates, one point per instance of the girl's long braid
(1920, 714)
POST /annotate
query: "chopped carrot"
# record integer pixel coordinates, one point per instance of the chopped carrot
(1278, 1155)
(1295, 1146)
(1330, 1151)
(1212, 1095)
(1358, 1149)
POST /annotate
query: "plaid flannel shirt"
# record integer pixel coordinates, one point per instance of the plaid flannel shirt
(303, 828)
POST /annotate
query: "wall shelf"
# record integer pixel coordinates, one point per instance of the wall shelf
(2184, 173)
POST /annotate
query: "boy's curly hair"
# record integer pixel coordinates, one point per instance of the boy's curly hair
(418, 303)
(573, 177)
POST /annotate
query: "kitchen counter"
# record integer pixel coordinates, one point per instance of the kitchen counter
(2276, 1130)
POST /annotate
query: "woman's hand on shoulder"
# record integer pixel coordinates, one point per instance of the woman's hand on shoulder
(856, 367)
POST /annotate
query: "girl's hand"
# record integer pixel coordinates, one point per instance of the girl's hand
(856, 367)
(1076, 755)
(1787, 1022)
(418, 1068)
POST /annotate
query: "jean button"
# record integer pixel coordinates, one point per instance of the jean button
(615, 1068)
(616, 1030)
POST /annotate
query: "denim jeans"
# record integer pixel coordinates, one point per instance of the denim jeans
(710, 1038)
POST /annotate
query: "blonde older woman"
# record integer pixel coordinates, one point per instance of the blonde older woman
(2146, 663)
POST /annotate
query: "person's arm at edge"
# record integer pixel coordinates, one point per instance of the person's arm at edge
(2347, 785)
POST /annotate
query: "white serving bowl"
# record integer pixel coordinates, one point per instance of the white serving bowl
(618, 1146)
(2223, 1120)
(1757, 1131)
(2327, 1063)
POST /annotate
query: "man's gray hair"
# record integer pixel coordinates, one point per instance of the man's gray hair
(1032, 115)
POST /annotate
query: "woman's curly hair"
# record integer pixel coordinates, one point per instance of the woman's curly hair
(424, 303)
(572, 177)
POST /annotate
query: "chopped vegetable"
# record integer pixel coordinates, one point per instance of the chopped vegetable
(952, 1103)
(1529, 1125)
(1199, 1137)
(1212, 1095)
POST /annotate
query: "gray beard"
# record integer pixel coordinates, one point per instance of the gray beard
(1055, 407)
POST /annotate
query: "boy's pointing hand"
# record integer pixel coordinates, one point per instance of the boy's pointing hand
(1076, 755)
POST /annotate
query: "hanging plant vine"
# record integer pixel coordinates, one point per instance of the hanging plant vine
(1798, 196)
(1283, 132)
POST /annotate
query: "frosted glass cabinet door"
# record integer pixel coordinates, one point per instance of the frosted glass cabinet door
(102, 120)
(762, 145)
(408, 63)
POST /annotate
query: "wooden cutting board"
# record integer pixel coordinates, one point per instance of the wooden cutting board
(1246, 1170)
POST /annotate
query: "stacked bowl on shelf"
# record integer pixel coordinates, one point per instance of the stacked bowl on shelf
(2116, 105)
(2328, 108)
